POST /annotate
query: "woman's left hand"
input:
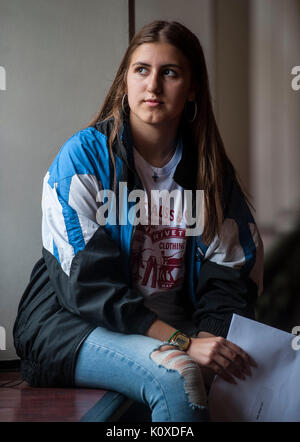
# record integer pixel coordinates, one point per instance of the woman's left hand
(208, 373)
(220, 356)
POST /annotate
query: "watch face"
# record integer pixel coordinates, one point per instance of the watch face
(181, 341)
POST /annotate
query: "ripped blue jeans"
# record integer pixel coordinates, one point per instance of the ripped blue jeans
(146, 370)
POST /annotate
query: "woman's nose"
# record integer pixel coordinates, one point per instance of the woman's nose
(154, 83)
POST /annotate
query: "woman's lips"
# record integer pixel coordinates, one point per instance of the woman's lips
(153, 103)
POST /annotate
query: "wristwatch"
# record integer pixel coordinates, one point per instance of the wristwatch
(181, 340)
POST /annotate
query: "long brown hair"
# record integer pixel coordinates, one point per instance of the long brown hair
(212, 157)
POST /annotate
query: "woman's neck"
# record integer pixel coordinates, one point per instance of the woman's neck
(155, 143)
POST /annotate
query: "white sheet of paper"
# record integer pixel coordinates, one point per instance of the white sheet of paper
(272, 393)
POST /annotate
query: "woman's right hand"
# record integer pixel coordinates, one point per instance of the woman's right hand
(223, 357)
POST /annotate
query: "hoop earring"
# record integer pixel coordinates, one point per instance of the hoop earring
(123, 106)
(195, 111)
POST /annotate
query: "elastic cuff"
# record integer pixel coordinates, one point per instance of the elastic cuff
(217, 327)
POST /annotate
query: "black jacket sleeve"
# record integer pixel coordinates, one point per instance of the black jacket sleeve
(223, 291)
(96, 289)
(231, 272)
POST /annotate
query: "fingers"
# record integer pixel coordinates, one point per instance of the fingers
(228, 360)
(223, 373)
(247, 359)
(227, 369)
(232, 360)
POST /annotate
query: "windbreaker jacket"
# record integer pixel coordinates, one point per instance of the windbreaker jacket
(83, 278)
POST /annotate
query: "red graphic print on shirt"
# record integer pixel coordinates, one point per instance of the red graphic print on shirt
(158, 257)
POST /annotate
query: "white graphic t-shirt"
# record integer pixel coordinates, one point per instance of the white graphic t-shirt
(157, 251)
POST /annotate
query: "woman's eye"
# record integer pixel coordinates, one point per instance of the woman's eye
(141, 70)
(170, 73)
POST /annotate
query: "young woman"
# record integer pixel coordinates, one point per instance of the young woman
(143, 308)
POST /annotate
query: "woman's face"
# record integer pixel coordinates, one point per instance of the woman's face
(158, 84)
